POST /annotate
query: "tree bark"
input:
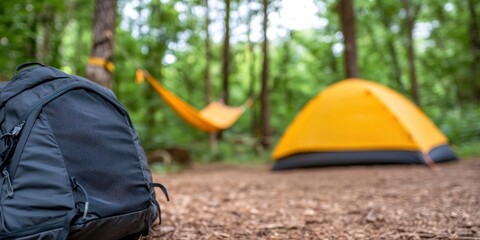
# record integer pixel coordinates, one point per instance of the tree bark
(212, 138)
(475, 49)
(208, 56)
(250, 54)
(265, 120)
(225, 62)
(410, 23)
(285, 64)
(347, 19)
(31, 49)
(251, 74)
(49, 53)
(103, 40)
(396, 69)
(47, 22)
(226, 54)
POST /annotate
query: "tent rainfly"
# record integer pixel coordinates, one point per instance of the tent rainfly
(358, 122)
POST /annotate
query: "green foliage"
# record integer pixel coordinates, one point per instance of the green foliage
(462, 125)
(167, 38)
(468, 150)
(161, 168)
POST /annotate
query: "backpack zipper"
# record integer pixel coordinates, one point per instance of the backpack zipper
(14, 159)
(65, 89)
(27, 122)
(55, 94)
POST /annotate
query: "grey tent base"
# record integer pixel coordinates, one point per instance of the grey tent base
(324, 159)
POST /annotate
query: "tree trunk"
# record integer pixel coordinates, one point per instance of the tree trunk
(285, 64)
(208, 56)
(103, 41)
(347, 19)
(396, 69)
(410, 23)
(226, 54)
(212, 138)
(52, 37)
(475, 43)
(251, 73)
(250, 54)
(265, 120)
(47, 22)
(55, 51)
(31, 49)
(226, 61)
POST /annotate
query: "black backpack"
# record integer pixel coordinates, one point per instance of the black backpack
(71, 162)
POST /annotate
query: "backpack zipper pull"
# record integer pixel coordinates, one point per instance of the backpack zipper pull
(17, 129)
(11, 140)
(9, 183)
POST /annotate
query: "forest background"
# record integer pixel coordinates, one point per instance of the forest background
(429, 51)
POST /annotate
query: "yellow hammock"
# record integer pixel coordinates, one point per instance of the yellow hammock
(214, 117)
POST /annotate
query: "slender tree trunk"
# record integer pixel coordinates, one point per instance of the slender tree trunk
(31, 49)
(250, 54)
(475, 43)
(251, 73)
(55, 59)
(103, 40)
(226, 54)
(208, 56)
(410, 23)
(226, 61)
(52, 38)
(212, 138)
(265, 120)
(47, 22)
(396, 69)
(285, 65)
(347, 19)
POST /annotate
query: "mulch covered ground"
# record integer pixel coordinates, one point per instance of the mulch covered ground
(361, 202)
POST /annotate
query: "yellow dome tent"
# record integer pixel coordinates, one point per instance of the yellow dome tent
(360, 122)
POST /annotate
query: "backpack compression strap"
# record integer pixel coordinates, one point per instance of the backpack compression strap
(163, 188)
(165, 192)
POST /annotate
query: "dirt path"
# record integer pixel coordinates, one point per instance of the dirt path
(376, 202)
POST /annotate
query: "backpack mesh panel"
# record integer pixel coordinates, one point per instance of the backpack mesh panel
(99, 151)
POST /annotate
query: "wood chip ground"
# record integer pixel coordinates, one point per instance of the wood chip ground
(358, 202)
